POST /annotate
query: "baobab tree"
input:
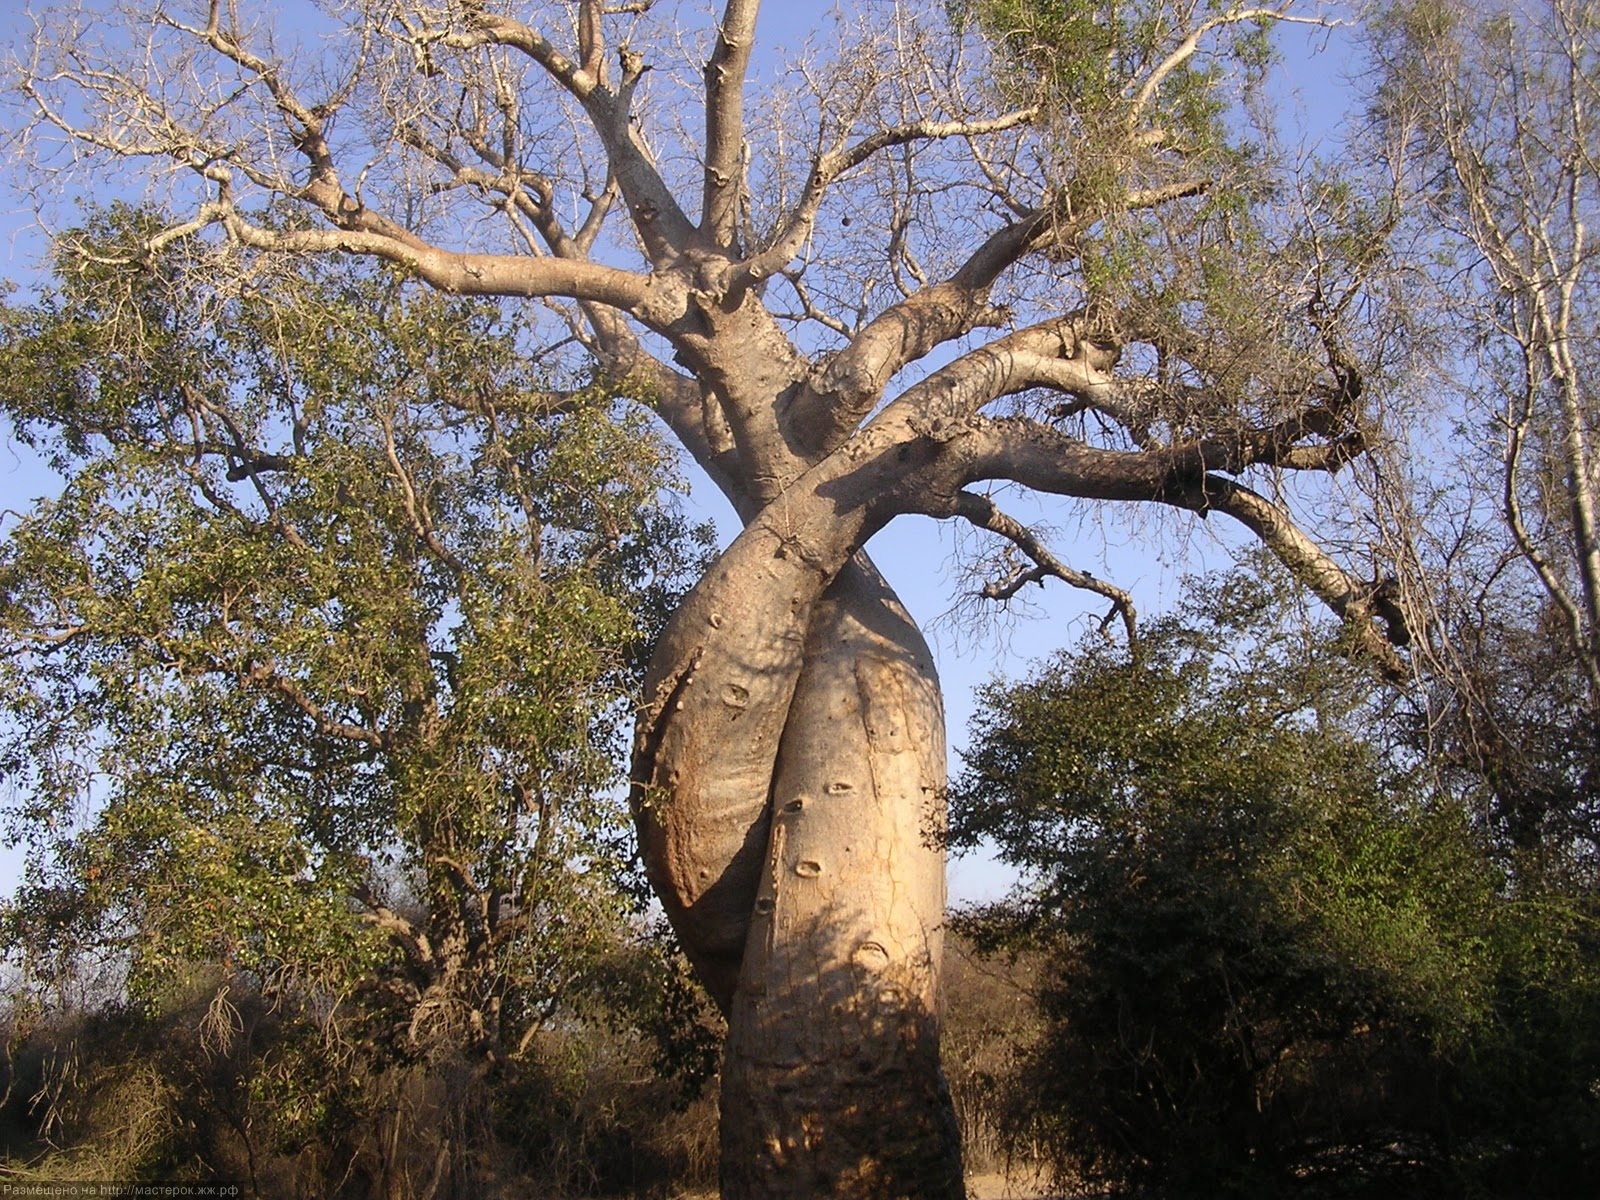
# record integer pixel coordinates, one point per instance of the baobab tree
(910, 273)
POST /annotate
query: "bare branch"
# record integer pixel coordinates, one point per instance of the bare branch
(657, 215)
(1357, 604)
(844, 387)
(496, 29)
(1186, 48)
(831, 166)
(724, 147)
(982, 512)
(457, 273)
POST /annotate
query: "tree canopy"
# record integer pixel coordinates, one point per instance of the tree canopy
(1485, 119)
(958, 258)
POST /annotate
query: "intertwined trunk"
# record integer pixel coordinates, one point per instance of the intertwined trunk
(791, 782)
(831, 1083)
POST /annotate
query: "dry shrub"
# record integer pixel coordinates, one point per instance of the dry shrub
(101, 1123)
(220, 1085)
(990, 1017)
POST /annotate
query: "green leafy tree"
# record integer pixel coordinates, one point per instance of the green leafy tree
(316, 668)
(1277, 958)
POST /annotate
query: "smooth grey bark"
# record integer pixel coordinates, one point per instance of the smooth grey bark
(832, 1084)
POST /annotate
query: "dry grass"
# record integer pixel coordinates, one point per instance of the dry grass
(1024, 1185)
(987, 1185)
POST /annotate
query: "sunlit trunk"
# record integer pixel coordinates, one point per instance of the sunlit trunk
(792, 785)
(831, 1081)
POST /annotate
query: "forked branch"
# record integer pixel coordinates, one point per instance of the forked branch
(832, 165)
(985, 514)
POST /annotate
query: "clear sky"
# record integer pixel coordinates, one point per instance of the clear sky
(914, 553)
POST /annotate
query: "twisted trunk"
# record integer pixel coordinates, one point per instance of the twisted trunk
(831, 1082)
(790, 788)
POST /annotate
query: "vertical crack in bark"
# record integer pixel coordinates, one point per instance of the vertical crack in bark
(653, 728)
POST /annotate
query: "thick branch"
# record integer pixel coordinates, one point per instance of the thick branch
(848, 385)
(946, 404)
(1356, 603)
(449, 271)
(724, 150)
(381, 916)
(495, 29)
(1046, 461)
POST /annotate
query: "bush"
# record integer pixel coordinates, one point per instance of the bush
(1274, 957)
(217, 1085)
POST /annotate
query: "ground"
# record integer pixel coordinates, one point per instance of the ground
(1023, 1186)
(990, 1185)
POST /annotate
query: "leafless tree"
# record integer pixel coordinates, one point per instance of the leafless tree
(903, 276)
(1488, 118)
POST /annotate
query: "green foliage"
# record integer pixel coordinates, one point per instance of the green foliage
(319, 664)
(1129, 103)
(1088, 58)
(1276, 959)
(1235, 285)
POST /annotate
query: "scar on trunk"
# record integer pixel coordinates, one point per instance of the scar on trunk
(883, 703)
(653, 727)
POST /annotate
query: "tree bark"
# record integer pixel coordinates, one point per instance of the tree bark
(831, 1081)
(789, 787)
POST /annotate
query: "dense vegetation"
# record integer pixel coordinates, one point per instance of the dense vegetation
(1280, 947)
(316, 673)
